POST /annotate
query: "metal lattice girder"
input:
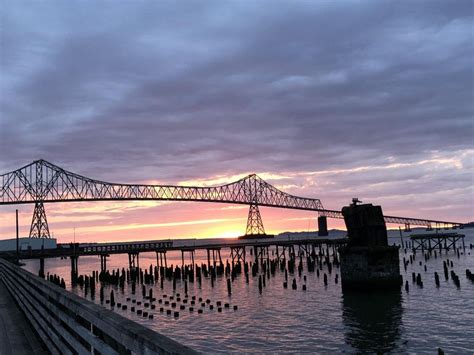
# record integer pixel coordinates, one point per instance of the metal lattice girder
(42, 181)
(254, 221)
(39, 224)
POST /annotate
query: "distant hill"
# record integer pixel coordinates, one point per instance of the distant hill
(332, 232)
(468, 225)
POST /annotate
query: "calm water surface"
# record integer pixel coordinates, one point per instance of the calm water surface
(321, 319)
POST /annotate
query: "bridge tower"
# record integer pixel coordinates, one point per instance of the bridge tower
(255, 227)
(39, 224)
(254, 221)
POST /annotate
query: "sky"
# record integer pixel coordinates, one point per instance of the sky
(323, 99)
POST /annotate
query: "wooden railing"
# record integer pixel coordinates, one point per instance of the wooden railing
(69, 324)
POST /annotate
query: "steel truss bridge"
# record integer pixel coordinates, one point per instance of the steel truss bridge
(41, 182)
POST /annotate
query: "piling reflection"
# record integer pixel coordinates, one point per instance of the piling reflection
(372, 320)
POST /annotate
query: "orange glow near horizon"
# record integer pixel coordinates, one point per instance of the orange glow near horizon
(105, 221)
(125, 221)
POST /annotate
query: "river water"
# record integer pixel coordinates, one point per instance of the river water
(321, 319)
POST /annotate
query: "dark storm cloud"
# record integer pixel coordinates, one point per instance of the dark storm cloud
(154, 90)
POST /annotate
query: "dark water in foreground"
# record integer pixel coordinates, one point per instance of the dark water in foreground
(320, 319)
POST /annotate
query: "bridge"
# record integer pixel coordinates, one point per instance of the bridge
(42, 182)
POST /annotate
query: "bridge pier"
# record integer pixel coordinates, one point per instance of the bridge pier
(160, 257)
(260, 251)
(407, 227)
(291, 251)
(216, 252)
(134, 261)
(423, 241)
(322, 226)
(305, 248)
(280, 256)
(237, 254)
(191, 251)
(103, 262)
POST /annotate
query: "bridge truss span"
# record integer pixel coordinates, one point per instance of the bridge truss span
(42, 182)
(46, 182)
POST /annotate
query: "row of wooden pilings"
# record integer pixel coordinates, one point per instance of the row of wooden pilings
(266, 264)
(238, 253)
(448, 265)
(263, 269)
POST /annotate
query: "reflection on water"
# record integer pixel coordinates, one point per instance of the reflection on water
(372, 320)
(321, 319)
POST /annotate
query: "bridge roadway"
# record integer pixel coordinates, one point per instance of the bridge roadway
(79, 249)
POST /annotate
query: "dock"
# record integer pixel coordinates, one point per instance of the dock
(16, 333)
(433, 241)
(67, 323)
(238, 249)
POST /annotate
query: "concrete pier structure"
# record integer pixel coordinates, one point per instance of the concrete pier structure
(322, 226)
(368, 262)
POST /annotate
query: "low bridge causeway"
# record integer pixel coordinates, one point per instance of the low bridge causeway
(285, 245)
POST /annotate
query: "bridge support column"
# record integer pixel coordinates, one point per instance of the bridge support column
(74, 269)
(304, 248)
(191, 251)
(216, 253)
(368, 262)
(260, 251)
(322, 226)
(280, 256)
(237, 254)
(134, 261)
(41, 268)
(103, 262)
(161, 258)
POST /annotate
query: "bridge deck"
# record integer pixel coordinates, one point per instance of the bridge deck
(16, 334)
(435, 236)
(65, 250)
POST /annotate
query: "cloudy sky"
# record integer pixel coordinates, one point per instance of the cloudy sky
(324, 99)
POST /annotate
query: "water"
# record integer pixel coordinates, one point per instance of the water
(321, 319)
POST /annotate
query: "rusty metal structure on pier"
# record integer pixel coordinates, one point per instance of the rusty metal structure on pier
(41, 182)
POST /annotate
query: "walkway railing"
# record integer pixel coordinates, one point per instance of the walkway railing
(69, 324)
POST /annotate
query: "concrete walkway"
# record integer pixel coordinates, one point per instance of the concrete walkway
(16, 333)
